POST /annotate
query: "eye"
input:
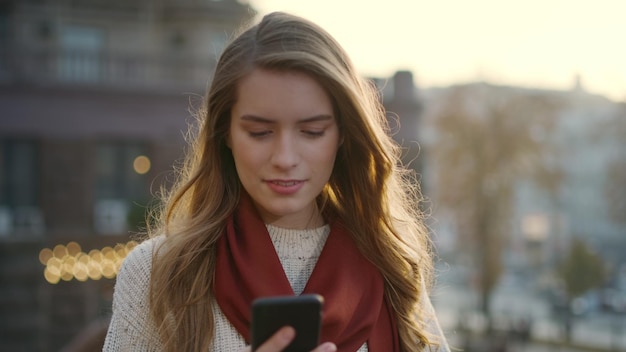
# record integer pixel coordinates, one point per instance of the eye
(259, 134)
(313, 133)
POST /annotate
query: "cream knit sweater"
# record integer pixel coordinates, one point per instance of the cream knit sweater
(132, 329)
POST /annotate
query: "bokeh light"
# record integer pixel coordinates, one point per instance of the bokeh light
(68, 262)
(141, 164)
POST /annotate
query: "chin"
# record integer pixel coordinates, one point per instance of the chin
(282, 211)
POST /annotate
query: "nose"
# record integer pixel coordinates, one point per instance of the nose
(285, 152)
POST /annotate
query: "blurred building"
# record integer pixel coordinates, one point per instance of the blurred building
(581, 147)
(95, 100)
(404, 110)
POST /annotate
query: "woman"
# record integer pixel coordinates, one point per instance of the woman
(291, 186)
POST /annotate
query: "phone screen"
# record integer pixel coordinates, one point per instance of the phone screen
(303, 313)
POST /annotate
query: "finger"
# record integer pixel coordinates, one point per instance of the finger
(279, 340)
(326, 347)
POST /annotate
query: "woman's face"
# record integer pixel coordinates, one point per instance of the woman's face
(284, 138)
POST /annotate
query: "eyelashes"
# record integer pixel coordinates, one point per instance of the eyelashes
(313, 133)
(259, 134)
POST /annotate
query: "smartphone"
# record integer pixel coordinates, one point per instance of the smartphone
(303, 313)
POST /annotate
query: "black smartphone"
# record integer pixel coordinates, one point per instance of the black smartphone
(303, 313)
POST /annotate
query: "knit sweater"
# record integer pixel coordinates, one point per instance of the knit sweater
(132, 328)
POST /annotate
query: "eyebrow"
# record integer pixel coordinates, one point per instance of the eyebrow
(261, 119)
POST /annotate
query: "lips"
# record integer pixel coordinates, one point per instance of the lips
(285, 187)
(285, 183)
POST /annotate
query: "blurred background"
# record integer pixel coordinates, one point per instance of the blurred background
(525, 184)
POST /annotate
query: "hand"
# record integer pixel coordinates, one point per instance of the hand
(283, 337)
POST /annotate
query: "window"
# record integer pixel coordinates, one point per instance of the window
(122, 187)
(20, 211)
(81, 54)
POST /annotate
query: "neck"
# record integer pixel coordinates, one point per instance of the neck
(315, 220)
(303, 220)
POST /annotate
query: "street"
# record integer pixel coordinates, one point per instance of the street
(594, 331)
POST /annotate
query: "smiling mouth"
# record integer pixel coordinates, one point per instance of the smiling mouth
(284, 183)
(285, 187)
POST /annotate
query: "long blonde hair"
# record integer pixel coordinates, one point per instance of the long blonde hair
(368, 189)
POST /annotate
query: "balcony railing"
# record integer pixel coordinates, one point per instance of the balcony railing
(117, 71)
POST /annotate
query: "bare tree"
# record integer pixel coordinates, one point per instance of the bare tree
(490, 138)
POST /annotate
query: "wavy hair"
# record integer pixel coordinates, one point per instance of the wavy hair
(368, 190)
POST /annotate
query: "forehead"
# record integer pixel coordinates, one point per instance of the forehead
(275, 94)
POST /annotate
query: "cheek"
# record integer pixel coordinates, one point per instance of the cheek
(238, 146)
(242, 157)
(325, 156)
(246, 156)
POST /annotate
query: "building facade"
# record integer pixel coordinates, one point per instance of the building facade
(95, 101)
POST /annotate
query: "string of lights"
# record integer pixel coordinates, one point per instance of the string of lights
(69, 262)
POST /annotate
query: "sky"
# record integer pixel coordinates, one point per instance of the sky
(529, 43)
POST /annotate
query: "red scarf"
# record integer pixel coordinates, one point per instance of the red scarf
(355, 309)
